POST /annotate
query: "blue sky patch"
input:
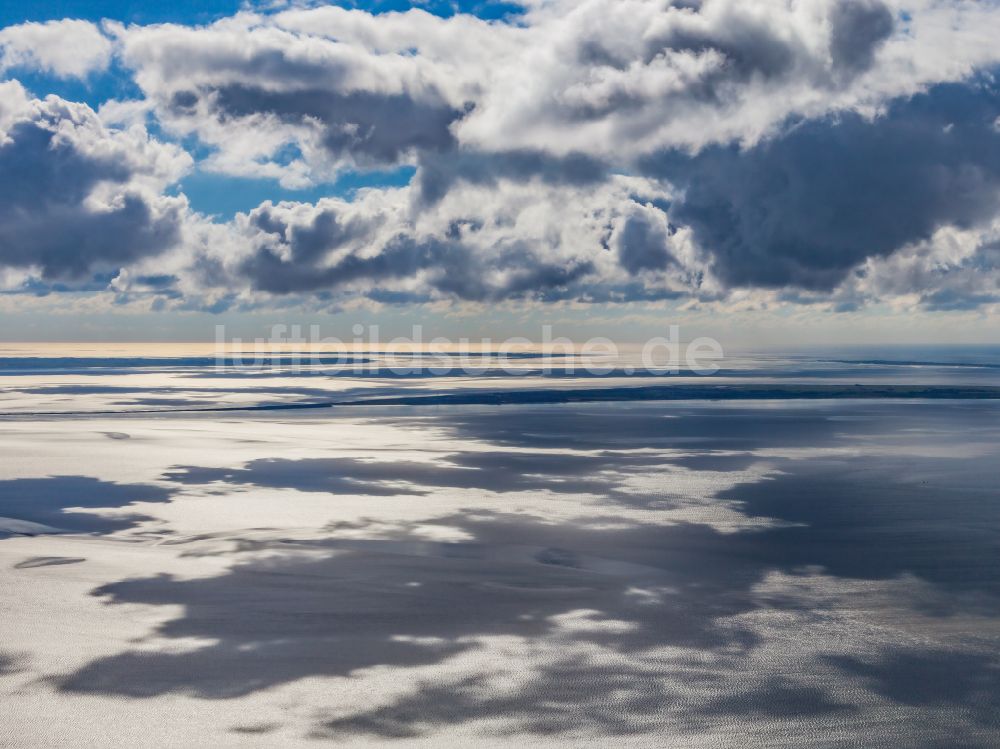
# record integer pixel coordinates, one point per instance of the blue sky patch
(223, 196)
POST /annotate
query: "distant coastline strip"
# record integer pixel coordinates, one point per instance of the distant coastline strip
(543, 396)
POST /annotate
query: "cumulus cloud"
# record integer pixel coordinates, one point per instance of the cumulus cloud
(626, 77)
(804, 209)
(531, 241)
(66, 48)
(643, 240)
(76, 197)
(594, 150)
(295, 107)
(302, 94)
(953, 270)
(439, 173)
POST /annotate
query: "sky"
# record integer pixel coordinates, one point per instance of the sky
(762, 172)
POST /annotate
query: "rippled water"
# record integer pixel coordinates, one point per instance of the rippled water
(801, 550)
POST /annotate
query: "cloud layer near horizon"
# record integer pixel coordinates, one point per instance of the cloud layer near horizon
(840, 152)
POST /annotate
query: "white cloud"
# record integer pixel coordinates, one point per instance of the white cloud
(78, 197)
(611, 78)
(480, 244)
(530, 139)
(66, 48)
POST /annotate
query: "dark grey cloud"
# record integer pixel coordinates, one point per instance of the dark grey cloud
(953, 300)
(450, 268)
(643, 245)
(805, 208)
(45, 221)
(328, 230)
(750, 47)
(438, 173)
(372, 249)
(368, 127)
(858, 27)
(402, 258)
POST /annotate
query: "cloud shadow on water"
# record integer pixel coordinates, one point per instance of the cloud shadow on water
(62, 503)
(496, 471)
(335, 606)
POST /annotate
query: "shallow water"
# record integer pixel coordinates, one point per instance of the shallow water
(768, 571)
